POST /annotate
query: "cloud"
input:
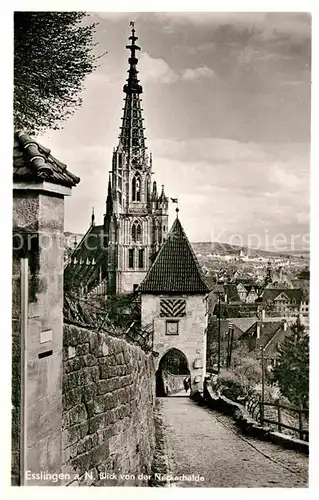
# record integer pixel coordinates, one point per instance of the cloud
(244, 187)
(157, 70)
(197, 73)
(248, 188)
(269, 24)
(219, 150)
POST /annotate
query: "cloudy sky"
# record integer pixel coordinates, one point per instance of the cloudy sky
(227, 114)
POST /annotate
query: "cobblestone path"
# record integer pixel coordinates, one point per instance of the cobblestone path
(202, 442)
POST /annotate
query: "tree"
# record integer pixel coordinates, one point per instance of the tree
(304, 274)
(292, 370)
(53, 53)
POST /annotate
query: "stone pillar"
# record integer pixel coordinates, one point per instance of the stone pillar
(38, 225)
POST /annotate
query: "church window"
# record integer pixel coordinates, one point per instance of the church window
(148, 188)
(136, 188)
(136, 232)
(131, 258)
(141, 258)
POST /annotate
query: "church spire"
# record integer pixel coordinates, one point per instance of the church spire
(132, 140)
(109, 199)
(93, 217)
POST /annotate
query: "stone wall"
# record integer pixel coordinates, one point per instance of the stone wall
(108, 398)
(38, 224)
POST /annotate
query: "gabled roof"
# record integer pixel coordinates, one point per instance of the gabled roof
(268, 330)
(87, 264)
(34, 163)
(175, 269)
(243, 324)
(281, 296)
(273, 293)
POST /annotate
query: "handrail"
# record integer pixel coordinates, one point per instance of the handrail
(303, 433)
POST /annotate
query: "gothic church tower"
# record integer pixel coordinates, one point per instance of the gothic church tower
(136, 219)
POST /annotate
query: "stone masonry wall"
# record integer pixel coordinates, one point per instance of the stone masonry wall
(38, 223)
(108, 397)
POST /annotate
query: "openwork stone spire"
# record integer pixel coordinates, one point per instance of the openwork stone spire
(132, 140)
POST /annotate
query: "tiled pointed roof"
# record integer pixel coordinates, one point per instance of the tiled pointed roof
(175, 269)
(32, 162)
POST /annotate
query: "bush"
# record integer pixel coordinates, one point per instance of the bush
(231, 385)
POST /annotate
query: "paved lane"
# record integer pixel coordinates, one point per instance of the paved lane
(205, 443)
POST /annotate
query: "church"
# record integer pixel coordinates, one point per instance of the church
(113, 258)
(134, 251)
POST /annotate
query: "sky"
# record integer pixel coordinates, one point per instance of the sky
(227, 114)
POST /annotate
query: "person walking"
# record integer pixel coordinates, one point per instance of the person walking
(186, 383)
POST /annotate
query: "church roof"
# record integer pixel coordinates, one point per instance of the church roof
(32, 162)
(175, 269)
(87, 264)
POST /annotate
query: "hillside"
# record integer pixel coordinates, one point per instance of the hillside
(204, 248)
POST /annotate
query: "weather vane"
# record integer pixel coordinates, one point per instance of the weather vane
(132, 23)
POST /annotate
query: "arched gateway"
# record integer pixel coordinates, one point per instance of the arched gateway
(172, 370)
(174, 301)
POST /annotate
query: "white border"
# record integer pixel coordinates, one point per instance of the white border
(6, 205)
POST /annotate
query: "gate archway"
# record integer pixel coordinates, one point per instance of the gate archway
(172, 369)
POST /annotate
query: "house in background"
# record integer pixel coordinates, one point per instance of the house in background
(281, 302)
(269, 335)
(237, 325)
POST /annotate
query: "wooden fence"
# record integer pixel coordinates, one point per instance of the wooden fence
(281, 416)
(302, 417)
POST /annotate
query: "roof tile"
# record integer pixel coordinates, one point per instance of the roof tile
(175, 269)
(33, 162)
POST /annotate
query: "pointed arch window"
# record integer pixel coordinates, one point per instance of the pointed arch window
(136, 232)
(136, 188)
(148, 188)
(141, 258)
(131, 257)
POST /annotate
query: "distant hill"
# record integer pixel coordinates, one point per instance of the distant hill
(206, 248)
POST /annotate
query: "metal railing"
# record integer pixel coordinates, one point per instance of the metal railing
(82, 312)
